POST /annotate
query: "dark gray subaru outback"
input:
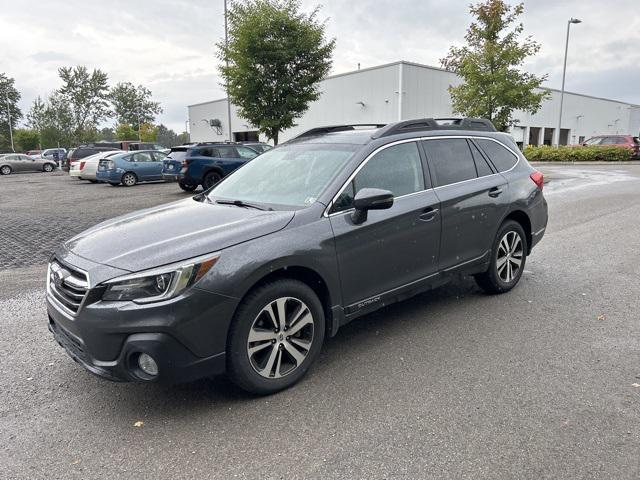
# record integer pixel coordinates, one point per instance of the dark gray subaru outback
(249, 277)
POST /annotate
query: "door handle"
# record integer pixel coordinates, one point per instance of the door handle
(428, 214)
(495, 192)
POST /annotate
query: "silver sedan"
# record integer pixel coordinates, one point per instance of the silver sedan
(17, 162)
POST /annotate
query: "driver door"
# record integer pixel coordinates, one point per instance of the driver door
(395, 247)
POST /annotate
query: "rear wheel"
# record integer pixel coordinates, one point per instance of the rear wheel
(186, 187)
(275, 336)
(508, 257)
(210, 179)
(48, 168)
(5, 170)
(129, 179)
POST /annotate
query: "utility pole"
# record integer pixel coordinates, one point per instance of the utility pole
(226, 87)
(564, 72)
(6, 93)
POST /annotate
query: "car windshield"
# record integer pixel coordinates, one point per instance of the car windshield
(291, 175)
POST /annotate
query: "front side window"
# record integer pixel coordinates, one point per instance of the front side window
(450, 160)
(397, 169)
(245, 152)
(291, 175)
(502, 158)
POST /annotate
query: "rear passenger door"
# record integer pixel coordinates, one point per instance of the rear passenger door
(144, 166)
(393, 247)
(473, 199)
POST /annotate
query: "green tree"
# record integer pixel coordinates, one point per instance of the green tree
(494, 85)
(148, 132)
(107, 134)
(131, 103)
(9, 98)
(126, 132)
(26, 139)
(166, 136)
(275, 58)
(88, 97)
(56, 123)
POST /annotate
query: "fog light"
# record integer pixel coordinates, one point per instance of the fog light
(147, 364)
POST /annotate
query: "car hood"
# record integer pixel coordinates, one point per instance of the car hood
(173, 232)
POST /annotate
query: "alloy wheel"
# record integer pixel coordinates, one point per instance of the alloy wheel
(5, 170)
(129, 179)
(48, 168)
(510, 255)
(280, 337)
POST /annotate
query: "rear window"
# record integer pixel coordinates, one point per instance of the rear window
(501, 158)
(178, 155)
(83, 152)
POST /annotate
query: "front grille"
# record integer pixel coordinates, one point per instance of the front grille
(68, 286)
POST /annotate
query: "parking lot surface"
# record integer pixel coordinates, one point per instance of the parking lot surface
(542, 382)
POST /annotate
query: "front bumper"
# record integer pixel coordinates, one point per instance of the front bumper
(185, 335)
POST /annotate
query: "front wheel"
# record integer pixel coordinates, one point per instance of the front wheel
(48, 168)
(5, 170)
(508, 257)
(275, 336)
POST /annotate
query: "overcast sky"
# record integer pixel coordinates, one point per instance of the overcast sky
(169, 45)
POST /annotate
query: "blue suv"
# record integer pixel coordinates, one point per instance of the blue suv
(204, 163)
(131, 168)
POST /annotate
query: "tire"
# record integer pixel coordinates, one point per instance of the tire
(274, 361)
(186, 187)
(5, 170)
(129, 179)
(114, 184)
(210, 179)
(509, 248)
(48, 168)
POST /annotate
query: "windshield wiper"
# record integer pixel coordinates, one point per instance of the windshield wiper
(240, 203)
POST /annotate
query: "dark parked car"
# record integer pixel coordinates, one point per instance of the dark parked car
(82, 152)
(174, 162)
(131, 168)
(626, 141)
(249, 277)
(207, 163)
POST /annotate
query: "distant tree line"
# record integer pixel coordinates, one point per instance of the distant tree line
(72, 114)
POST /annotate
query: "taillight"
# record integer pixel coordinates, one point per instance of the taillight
(538, 179)
(82, 165)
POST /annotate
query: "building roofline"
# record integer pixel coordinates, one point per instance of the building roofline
(430, 67)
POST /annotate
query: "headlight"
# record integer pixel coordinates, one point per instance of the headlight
(160, 283)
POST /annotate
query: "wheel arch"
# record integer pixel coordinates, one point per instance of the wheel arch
(523, 219)
(309, 277)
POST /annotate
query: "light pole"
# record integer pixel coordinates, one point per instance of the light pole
(226, 87)
(564, 72)
(6, 93)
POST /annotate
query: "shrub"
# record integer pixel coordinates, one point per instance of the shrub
(577, 154)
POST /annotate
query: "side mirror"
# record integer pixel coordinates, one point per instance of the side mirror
(370, 199)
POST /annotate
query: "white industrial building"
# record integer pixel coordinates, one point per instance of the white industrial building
(405, 90)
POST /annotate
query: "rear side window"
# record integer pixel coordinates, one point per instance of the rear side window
(482, 166)
(451, 160)
(227, 152)
(501, 158)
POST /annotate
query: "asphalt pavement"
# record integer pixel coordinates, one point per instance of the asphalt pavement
(542, 382)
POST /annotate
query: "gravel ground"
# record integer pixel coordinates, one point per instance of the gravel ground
(543, 382)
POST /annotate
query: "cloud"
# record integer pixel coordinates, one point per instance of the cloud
(169, 45)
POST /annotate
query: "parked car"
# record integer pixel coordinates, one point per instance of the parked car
(56, 154)
(129, 145)
(250, 277)
(207, 163)
(89, 165)
(259, 147)
(627, 141)
(173, 163)
(131, 168)
(81, 152)
(18, 162)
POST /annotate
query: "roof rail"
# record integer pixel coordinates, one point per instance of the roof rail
(435, 124)
(336, 128)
